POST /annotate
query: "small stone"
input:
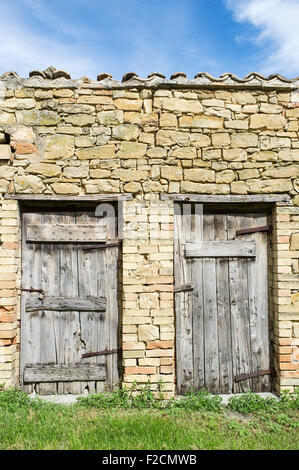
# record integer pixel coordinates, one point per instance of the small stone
(294, 243)
(221, 139)
(148, 332)
(244, 140)
(128, 105)
(38, 118)
(129, 175)
(80, 120)
(249, 174)
(111, 118)
(185, 153)
(105, 151)
(198, 175)
(235, 155)
(125, 132)
(65, 188)
(269, 186)
(76, 171)
(201, 121)
(131, 150)
(5, 152)
(58, 146)
(7, 118)
(43, 169)
(172, 173)
(133, 187)
(102, 186)
(267, 121)
(28, 184)
(225, 176)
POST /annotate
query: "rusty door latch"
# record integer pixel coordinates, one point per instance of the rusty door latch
(241, 377)
(263, 228)
(101, 353)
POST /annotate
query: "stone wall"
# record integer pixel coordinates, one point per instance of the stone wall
(68, 137)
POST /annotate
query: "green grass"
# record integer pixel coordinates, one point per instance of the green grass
(123, 420)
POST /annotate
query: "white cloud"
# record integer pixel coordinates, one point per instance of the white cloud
(278, 32)
(22, 48)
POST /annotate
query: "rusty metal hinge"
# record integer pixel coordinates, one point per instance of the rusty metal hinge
(241, 377)
(100, 247)
(101, 353)
(263, 228)
(41, 291)
(184, 287)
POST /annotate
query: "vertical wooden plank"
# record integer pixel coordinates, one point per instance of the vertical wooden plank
(31, 322)
(258, 306)
(223, 308)
(49, 321)
(70, 341)
(240, 320)
(183, 305)
(210, 312)
(196, 267)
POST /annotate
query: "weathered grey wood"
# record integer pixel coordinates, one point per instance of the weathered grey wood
(240, 316)
(63, 373)
(183, 305)
(210, 312)
(82, 304)
(223, 311)
(204, 198)
(66, 198)
(221, 249)
(64, 233)
(60, 337)
(258, 305)
(224, 336)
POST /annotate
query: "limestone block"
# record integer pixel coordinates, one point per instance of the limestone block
(199, 140)
(185, 153)
(105, 151)
(65, 188)
(265, 156)
(3, 185)
(80, 120)
(211, 154)
(95, 99)
(128, 105)
(201, 121)
(270, 143)
(225, 176)
(238, 187)
(132, 150)
(290, 171)
(202, 188)
(156, 152)
(236, 124)
(200, 176)
(152, 187)
(149, 300)
(7, 171)
(58, 146)
(84, 141)
(244, 140)
(172, 173)
(148, 332)
(7, 118)
(269, 186)
(98, 173)
(270, 108)
(43, 169)
(129, 175)
(291, 155)
(294, 244)
(38, 118)
(125, 132)
(76, 171)
(74, 108)
(17, 103)
(168, 120)
(221, 139)
(250, 173)
(5, 152)
(102, 186)
(168, 138)
(235, 155)
(133, 187)
(28, 184)
(111, 118)
(243, 97)
(179, 105)
(267, 121)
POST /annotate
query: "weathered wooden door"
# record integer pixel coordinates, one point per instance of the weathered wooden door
(76, 311)
(222, 325)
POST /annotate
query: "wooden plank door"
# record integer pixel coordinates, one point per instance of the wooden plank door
(76, 312)
(222, 325)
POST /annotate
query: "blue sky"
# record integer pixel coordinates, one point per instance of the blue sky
(87, 37)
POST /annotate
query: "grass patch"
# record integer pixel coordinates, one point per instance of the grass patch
(125, 420)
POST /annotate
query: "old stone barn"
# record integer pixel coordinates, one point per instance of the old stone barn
(149, 233)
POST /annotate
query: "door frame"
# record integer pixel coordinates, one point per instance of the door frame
(241, 204)
(40, 203)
